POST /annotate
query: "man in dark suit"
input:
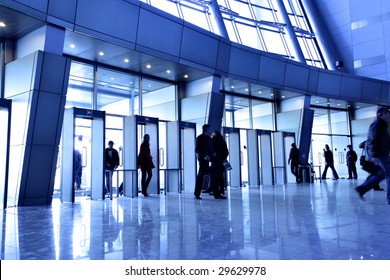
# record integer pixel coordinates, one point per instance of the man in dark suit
(351, 159)
(217, 168)
(204, 152)
(293, 160)
(112, 163)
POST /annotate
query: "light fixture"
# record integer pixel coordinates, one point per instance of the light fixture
(246, 89)
(148, 66)
(126, 60)
(72, 46)
(101, 53)
(283, 96)
(186, 76)
(168, 71)
(2, 24)
(260, 92)
(232, 87)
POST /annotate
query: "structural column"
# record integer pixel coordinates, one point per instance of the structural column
(305, 131)
(216, 105)
(291, 33)
(37, 84)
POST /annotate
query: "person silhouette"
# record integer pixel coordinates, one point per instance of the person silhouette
(112, 163)
(146, 164)
(329, 163)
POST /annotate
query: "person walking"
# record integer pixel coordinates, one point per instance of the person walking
(329, 163)
(112, 163)
(145, 162)
(368, 166)
(293, 160)
(78, 168)
(378, 147)
(204, 152)
(217, 168)
(351, 159)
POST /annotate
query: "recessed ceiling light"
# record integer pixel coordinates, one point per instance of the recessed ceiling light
(246, 89)
(2, 24)
(148, 66)
(232, 87)
(72, 46)
(101, 53)
(186, 76)
(260, 92)
(272, 94)
(283, 96)
(112, 78)
(126, 60)
(168, 71)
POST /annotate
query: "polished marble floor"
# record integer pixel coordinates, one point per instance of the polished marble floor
(323, 220)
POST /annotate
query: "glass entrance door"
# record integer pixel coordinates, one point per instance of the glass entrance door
(318, 143)
(339, 153)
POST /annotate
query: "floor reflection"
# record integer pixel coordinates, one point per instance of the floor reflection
(324, 220)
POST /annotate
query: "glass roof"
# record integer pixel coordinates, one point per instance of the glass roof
(280, 27)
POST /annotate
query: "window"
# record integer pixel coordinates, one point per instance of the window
(259, 24)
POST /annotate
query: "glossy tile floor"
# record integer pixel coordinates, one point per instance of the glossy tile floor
(323, 220)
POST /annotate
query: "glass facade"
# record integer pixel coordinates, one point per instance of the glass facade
(277, 26)
(80, 86)
(331, 127)
(120, 93)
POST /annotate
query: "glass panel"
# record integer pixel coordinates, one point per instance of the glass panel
(321, 121)
(115, 91)
(318, 143)
(159, 100)
(262, 14)
(231, 31)
(274, 42)
(239, 107)
(339, 144)
(80, 88)
(262, 114)
(166, 6)
(249, 36)
(289, 121)
(196, 17)
(339, 122)
(239, 7)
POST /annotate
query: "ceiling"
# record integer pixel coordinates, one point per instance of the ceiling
(123, 59)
